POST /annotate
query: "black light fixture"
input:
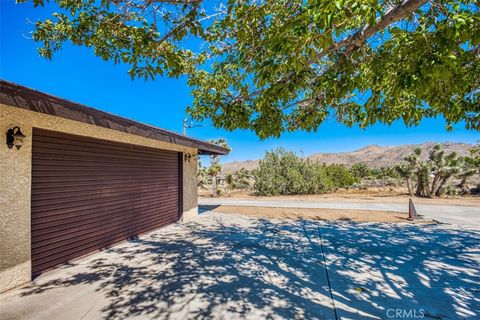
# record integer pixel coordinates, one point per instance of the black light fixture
(15, 138)
(189, 157)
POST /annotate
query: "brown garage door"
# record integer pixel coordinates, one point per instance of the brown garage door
(89, 193)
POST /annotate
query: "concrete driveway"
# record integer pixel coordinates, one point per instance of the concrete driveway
(463, 217)
(232, 267)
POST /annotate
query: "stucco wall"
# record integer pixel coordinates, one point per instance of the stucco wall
(190, 200)
(15, 183)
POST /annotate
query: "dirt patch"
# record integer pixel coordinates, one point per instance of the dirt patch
(359, 196)
(317, 214)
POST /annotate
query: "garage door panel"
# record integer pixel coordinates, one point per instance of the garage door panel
(117, 225)
(60, 192)
(63, 202)
(58, 223)
(108, 215)
(57, 139)
(45, 214)
(55, 195)
(52, 261)
(89, 193)
(96, 239)
(63, 161)
(100, 154)
(104, 171)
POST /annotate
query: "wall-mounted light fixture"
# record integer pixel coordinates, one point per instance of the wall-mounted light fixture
(15, 138)
(189, 157)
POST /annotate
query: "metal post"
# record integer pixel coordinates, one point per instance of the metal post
(185, 126)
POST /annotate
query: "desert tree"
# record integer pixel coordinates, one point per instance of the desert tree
(443, 167)
(242, 179)
(230, 182)
(471, 167)
(215, 167)
(406, 172)
(283, 65)
(202, 176)
(432, 174)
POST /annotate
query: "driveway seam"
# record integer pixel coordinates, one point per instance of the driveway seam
(326, 272)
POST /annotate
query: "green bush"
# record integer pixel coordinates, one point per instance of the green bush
(339, 174)
(282, 172)
(360, 170)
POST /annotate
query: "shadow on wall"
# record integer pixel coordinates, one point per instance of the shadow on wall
(233, 267)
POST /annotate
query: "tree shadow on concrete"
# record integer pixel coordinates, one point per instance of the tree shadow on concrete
(227, 266)
(218, 267)
(415, 271)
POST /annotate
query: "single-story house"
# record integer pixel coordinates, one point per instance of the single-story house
(75, 180)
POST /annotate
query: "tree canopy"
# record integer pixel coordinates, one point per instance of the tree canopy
(285, 65)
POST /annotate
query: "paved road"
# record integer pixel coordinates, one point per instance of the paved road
(458, 216)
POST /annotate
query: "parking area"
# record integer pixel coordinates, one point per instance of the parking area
(231, 267)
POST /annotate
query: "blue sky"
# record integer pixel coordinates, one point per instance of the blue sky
(76, 74)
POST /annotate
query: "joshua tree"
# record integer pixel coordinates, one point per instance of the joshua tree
(432, 174)
(471, 167)
(410, 169)
(215, 167)
(213, 172)
(423, 180)
(202, 176)
(451, 166)
(406, 172)
(230, 180)
(241, 179)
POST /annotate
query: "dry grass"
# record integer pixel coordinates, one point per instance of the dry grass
(317, 214)
(373, 195)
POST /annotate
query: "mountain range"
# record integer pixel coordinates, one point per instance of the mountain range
(373, 155)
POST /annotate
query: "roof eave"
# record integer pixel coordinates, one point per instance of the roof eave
(30, 99)
(220, 151)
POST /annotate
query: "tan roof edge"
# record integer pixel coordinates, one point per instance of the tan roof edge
(16, 95)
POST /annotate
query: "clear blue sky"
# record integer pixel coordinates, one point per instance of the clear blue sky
(76, 74)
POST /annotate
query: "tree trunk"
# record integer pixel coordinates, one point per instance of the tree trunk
(440, 186)
(426, 190)
(463, 185)
(436, 179)
(418, 192)
(214, 186)
(409, 186)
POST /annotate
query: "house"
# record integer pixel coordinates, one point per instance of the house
(76, 180)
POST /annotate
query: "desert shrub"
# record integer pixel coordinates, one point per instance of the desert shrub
(385, 172)
(340, 176)
(448, 190)
(360, 170)
(242, 179)
(282, 172)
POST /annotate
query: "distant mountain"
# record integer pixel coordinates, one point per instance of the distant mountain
(373, 155)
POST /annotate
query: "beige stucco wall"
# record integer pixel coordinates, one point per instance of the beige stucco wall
(15, 183)
(190, 196)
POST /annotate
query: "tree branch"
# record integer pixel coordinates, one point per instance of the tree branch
(174, 1)
(393, 15)
(357, 40)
